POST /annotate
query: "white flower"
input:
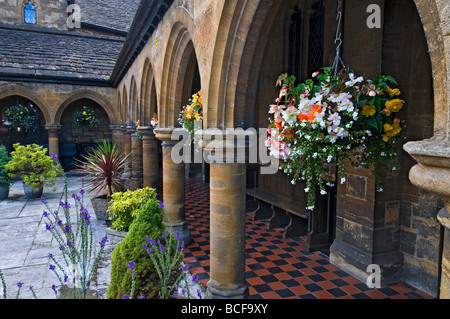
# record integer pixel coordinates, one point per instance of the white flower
(310, 207)
(343, 180)
(306, 189)
(323, 192)
(353, 81)
(290, 115)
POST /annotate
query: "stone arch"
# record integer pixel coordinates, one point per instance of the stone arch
(148, 101)
(86, 94)
(180, 54)
(119, 106)
(134, 102)
(432, 15)
(10, 90)
(125, 114)
(228, 57)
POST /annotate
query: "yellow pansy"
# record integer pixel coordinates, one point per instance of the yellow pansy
(369, 110)
(394, 92)
(394, 105)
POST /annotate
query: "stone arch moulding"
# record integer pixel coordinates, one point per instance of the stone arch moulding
(41, 103)
(124, 105)
(149, 99)
(432, 14)
(86, 94)
(133, 104)
(228, 57)
(179, 50)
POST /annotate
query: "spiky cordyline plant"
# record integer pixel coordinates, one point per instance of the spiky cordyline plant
(104, 167)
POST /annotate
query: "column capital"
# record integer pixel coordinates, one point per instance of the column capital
(165, 135)
(432, 172)
(115, 127)
(232, 145)
(53, 127)
(146, 131)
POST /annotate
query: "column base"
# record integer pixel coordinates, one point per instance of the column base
(217, 293)
(355, 262)
(185, 233)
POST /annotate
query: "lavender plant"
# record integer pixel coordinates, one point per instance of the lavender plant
(75, 242)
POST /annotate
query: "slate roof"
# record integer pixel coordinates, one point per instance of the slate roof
(112, 14)
(39, 53)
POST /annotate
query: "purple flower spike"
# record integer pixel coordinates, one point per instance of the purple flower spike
(54, 156)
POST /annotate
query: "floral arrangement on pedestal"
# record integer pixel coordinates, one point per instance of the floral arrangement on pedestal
(331, 118)
(85, 118)
(191, 113)
(20, 116)
(154, 121)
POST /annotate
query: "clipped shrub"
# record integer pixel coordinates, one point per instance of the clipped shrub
(147, 224)
(124, 206)
(4, 159)
(33, 165)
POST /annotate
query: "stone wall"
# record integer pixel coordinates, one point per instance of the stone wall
(49, 13)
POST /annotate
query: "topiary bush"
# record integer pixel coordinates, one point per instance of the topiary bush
(124, 205)
(147, 224)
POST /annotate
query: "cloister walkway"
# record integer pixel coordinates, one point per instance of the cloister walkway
(276, 268)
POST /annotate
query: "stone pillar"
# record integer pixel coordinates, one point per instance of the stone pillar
(116, 135)
(150, 164)
(173, 186)
(227, 215)
(432, 173)
(136, 161)
(53, 138)
(127, 150)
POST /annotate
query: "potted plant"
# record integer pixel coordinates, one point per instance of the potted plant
(5, 180)
(34, 167)
(104, 168)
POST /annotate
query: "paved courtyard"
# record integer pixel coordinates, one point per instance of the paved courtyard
(276, 267)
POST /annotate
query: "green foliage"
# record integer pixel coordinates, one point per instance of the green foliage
(124, 206)
(33, 165)
(20, 115)
(85, 118)
(4, 159)
(148, 224)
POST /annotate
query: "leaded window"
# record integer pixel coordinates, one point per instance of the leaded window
(30, 13)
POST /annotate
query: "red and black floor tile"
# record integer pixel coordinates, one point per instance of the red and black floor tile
(277, 267)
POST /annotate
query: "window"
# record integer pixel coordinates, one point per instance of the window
(30, 13)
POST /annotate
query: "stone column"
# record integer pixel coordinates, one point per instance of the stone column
(127, 150)
(136, 161)
(432, 173)
(150, 164)
(227, 215)
(116, 135)
(173, 186)
(53, 138)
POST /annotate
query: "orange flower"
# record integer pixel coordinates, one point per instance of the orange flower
(287, 133)
(311, 115)
(279, 126)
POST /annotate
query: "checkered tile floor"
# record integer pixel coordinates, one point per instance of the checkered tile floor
(277, 267)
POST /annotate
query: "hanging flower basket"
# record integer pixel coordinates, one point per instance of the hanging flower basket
(85, 118)
(331, 118)
(20, 116)
(191, 113)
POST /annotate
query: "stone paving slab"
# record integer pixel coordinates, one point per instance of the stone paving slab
(25, 243)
